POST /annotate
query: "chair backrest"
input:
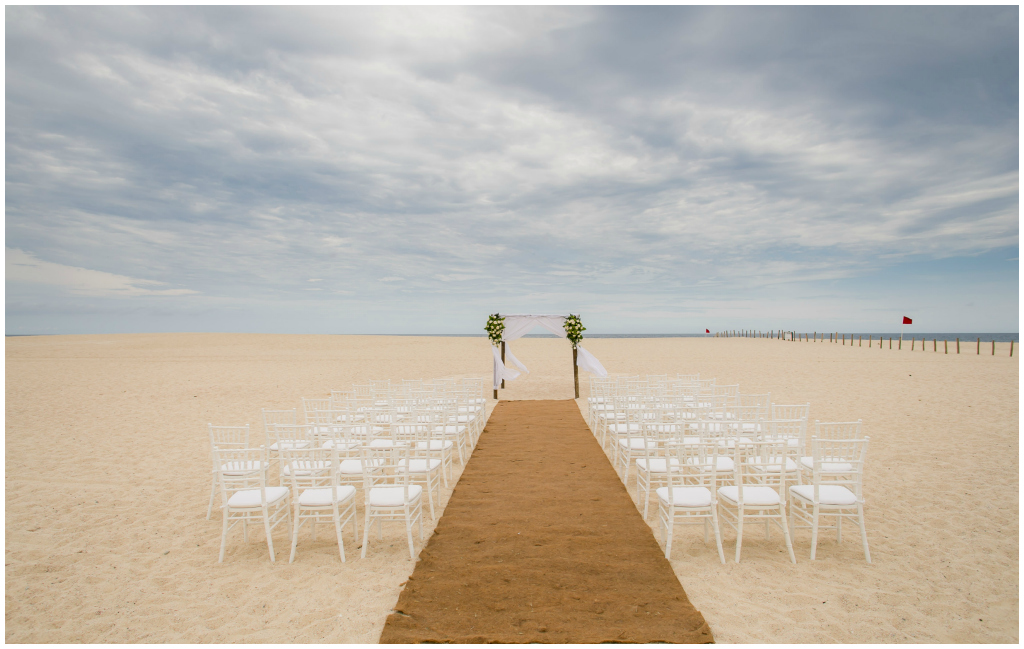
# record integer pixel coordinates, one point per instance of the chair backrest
(698, 465)
(285, 435)
(758, 464)
(229, 436)
(839, 462)
(763, 402)
(309, 468)
(341, 399)
(310, 406)
(837, 429)
(280, 417)
(382, 467)
(785, 429)
(787, 411)
(239, 469)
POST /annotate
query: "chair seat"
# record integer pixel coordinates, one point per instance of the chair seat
(289, 443)
(419, 465)
(326, 497)
(752, 495)
(834, 495)
(409, 429)
(435, 445)
(666, 428)
(656, 464)
(450, 429)
(724, 464)
(385, 443)
(772, 464)
(624, 428)
(827, 467)
(251, 497)
(393, 496)
(340, 444)
(730, 442)
(637, 443)
(686, 496)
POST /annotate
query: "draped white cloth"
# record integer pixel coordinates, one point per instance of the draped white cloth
(517, 326)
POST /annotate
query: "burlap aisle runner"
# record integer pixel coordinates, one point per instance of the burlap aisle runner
(541, 543)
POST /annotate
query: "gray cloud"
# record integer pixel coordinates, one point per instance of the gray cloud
(423, 159)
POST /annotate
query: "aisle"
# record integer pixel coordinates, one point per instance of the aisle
(540, 542)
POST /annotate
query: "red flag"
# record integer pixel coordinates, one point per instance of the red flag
(907, 320)
(707, 331)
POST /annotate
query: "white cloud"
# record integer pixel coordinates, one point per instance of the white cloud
(23, 267)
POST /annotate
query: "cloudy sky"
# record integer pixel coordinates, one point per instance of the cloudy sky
(410, 170)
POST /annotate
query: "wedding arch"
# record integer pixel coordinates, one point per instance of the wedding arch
(504, 328)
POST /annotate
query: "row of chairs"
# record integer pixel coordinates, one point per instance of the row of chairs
(391, 442)
(705, 450)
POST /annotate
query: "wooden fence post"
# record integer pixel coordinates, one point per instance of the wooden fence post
(935, 344)
(979, 346)
(946, 343)
(913, 341)
(503, 362)
(900, 344)
(993, 348)
(575, 373)
(890, 342)
(958, 345)
(1011, 349)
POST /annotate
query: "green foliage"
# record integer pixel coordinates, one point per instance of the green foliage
(574, 329)
(495, 328)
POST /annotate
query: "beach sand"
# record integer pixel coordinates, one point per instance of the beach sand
(107, 481)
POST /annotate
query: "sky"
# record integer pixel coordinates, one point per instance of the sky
(373, 170)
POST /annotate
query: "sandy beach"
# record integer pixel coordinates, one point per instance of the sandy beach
(107, 480)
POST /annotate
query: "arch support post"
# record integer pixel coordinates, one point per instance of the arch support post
(575, 372)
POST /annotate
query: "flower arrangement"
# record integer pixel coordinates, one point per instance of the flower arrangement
(495, 328)
(574, 329)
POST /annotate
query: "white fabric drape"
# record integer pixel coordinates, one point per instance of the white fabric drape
(589, 363)
(517, 326)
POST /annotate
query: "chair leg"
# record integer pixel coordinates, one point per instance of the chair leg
(814, 532)
(295, 537)
(739, 532)
(839, 527)
(223, 536)
(366, 533)
(668, 535)
(718, 532)
(337, 531)
(863, 532)
(408, 532)
(270, 538)
(785, 533)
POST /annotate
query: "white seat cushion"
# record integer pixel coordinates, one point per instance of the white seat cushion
(828, 467)
(752, 495)
(730, 442)
(450, 429)
(350, 467)
(325, 497)
(656, 464)
(827, 494)
(772, 465)
(251, 497)
(666, 428)
(392, 496)
(637, 443)
(419, 465)
(435, 445)
(624, 428)
(340, 444)
(289, 443)
(686, 496)
(724, 464)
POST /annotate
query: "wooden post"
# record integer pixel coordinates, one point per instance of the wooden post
(503, 362)
(1011, 349)
(860, 340)
(979, 346)
(946, 345)
(993, 348)
(935, 344)
(575, 373)
(958, 345)
(912, 342)
(900, 345)
(869, 340)
(890, 342)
